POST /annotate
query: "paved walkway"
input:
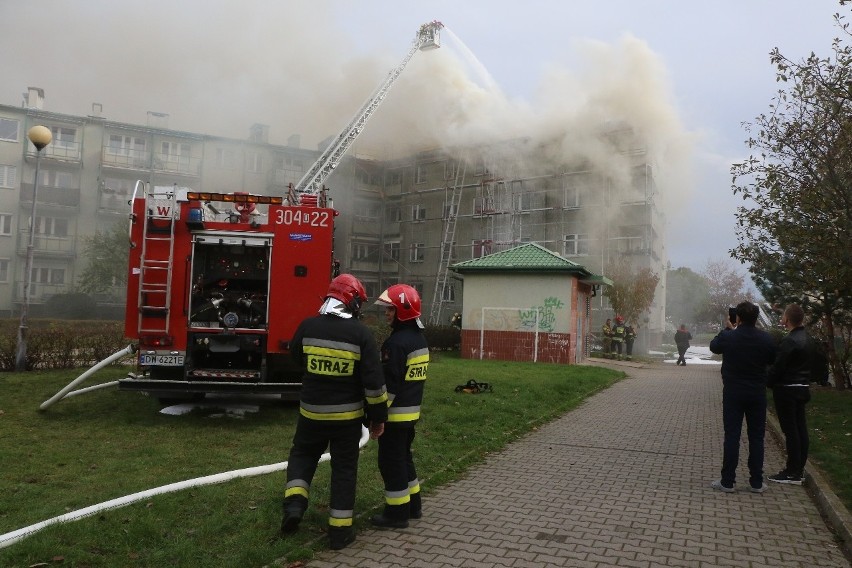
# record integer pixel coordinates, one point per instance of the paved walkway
(621, 481)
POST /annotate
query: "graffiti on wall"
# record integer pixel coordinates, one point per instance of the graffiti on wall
(546, 315)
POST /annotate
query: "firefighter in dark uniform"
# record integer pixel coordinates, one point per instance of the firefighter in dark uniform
(342, 380)
(618, 335)
(405, 360)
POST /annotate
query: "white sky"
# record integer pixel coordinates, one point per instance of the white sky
(696, 70)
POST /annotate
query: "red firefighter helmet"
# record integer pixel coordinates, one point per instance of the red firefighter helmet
(619, 319)
(348, 290)
(404, 298)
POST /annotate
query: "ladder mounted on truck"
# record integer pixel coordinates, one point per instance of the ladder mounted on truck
(428, 37)
(156, 259)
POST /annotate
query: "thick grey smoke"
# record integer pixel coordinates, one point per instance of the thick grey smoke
(217, 67)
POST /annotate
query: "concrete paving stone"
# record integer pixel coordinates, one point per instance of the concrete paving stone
(623, 480)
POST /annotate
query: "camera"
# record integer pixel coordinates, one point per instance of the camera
(732, 315)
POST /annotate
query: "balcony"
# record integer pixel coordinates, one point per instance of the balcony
(126, 159)
(58, 150)
(174, 164)
(47, 245)
(59, 196)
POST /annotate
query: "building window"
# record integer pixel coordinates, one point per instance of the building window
(450, 210)
(51, 226)
(126, 146)
(367, 211)
(449, 170)
(9, 130)
(52, 178)
(420, 174)
(449, 293)
(576, 245)
(5, 224)
(393, 214)
(63, 136)
(4, 269)
(572, 198)
(363, 251)
(254, 162)
(415, 252)
(8, 176)
(48, 275)
(418, 213)
(225, 158)
(393, 177)
(480, 248)
(392, 250)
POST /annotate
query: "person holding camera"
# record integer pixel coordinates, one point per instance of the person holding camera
(789, 379)
(747, 353)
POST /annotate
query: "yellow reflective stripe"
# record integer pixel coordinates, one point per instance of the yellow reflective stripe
(351, 415)
(415, 359)
(296, 491)
(328, 352)
(333, 522)
(416, 372)
(403, 417)
(398, 500)
(378, 399)
(414, 486)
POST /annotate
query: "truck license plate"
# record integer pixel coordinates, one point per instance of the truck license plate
(162, 360)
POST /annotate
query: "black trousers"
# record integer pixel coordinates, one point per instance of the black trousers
(396, 464)
(790, 408)
(310, 441)
(736, 405)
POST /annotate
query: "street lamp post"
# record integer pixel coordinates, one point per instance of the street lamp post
(40, 136)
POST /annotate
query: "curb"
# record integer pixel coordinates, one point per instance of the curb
(827, 502)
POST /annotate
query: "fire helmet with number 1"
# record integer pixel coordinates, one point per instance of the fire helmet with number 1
(348, 290)
(405, 299)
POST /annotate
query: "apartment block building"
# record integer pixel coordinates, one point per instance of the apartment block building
(402, 219)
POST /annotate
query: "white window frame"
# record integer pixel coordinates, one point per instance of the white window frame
(418, 212)
(254, 162)
(575, 244)
(572, 197)
(6, 223)
(448, 294)
(450, 210)
(63, 136)
(392, 249)
(126, 145)
(420, 173)
(6, 125)
(4, 269)
(57, 179)
(8, 176)
(415, 252)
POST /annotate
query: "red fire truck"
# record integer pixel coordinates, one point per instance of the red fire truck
(204, 271)
(218, 282)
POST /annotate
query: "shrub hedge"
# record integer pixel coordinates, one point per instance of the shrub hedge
(65, 344)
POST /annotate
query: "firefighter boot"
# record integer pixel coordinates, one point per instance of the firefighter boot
(393, 517)
(415, 509)
(340, 537)
(294, 510)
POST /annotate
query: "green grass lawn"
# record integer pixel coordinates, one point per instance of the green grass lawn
(830, 423)
(106, 444)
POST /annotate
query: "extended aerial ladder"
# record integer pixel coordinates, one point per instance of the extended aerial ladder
(428, 37)
(439, 297)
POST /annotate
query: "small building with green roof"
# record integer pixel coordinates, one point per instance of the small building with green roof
(526, 303)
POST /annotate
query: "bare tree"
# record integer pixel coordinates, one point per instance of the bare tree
(726, 287)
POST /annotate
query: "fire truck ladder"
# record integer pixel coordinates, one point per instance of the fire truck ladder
(428, 37)
(445, 258)
(156, 261)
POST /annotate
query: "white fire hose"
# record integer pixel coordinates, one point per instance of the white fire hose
(14, 536)
(129, 350)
